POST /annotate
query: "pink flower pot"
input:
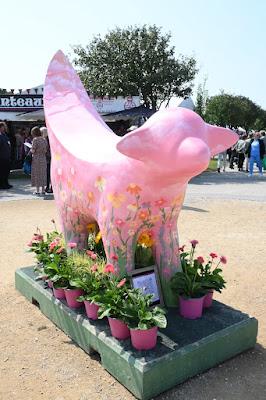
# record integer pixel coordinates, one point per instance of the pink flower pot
(91, 310)
(191, 308)
(207, 302)
(119, 329)
(144, 339)
(59, 293)
(71, 296)
(50, 283)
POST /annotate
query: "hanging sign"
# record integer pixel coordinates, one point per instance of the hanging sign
(21, 102)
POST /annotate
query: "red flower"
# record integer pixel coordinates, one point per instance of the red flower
(121, 283)
(200, 260)
(223, 259)
(213, 255)
(94, 268)
(52, 245)
(91, 254)
(114, 257)
(194, 243)
(181, 249)
(72, 245)
(37, 237)
(109, 268)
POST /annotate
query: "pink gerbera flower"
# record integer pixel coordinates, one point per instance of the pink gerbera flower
(94, 268)
(91, 254)
(121, 283)
(200, 259)
(114, 257)
(194, 243)
(72, 245)
(213, 255)
(223, 259)
(109, 268)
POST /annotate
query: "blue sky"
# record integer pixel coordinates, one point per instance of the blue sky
(228, 38)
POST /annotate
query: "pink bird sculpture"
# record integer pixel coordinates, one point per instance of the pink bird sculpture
(126, 185)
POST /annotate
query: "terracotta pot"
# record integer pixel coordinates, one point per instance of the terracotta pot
(207, 302)
(144, 339)
(59, 293)
(91, 310)
(71, 297)
(191, 308)
(119, 329)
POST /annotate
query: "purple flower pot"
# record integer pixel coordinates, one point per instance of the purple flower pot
(91, 310)
(71, 297)
(207, 302)
(191, 308)
(59, 293)
(119, 329)
(144, 339)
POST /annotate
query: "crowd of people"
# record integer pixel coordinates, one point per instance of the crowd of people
(33, 149)
(249, 150)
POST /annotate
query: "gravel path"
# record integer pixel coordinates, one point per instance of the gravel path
(38, 361)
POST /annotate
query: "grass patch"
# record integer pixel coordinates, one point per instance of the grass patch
(212, 165)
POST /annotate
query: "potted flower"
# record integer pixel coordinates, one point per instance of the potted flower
(112, 305)
(93, 283)
(142, 319)
(189, 285)
(211, 275)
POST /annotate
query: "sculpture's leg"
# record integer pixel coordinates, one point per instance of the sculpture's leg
(75, 230)
(167, 258)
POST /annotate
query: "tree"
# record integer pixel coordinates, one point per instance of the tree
(135, 60)
(201, 99)
(232, 111)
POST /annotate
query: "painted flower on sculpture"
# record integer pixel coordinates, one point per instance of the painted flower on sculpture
(155, 218)
(116, 199)
(119, 222)
(109, 268)
(100, 183)
(160, 203)
(133, 189)
(57, 156)
(91, 227)
(91, 197)
(143, 215)
(69, 184)
(194, 243)
(146, 204)
(121, 283)
(213, 255)
(72, 245)
(132, 207)
(145, 239)
(178, 199)
(223, 259)
(131, 232)
(114, 257)
(200, 260)
(63, 195)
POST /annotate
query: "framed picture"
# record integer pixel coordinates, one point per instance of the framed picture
(147, 280)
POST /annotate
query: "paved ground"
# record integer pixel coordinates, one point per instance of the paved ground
(231, 185)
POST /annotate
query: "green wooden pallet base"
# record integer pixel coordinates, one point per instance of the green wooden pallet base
(185, 348)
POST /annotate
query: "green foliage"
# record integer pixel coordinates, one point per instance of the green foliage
(201, 99)
(114, 297)
(137, 312)
(212, 278)
(233, 111)
(144, 256)
(135, 60)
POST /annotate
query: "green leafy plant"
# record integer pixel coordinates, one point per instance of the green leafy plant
(138, 312)
(197, 277)
(113, 298)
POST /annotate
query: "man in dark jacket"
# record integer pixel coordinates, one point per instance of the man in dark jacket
(255, 151)
(5, 154)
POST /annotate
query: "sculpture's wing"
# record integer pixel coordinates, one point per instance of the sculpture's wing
(70, 115)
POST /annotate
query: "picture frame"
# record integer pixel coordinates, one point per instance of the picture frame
(147, 279)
